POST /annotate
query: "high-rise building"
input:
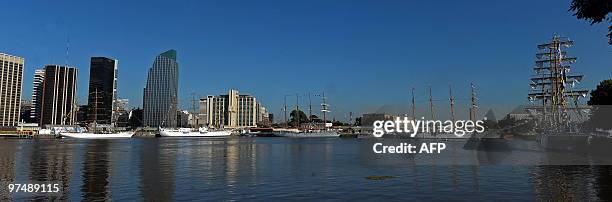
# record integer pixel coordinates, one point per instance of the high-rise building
(11, 81)
(232, 111)
(37, 89)
(161, 91)
(58, 96)
(102, 90)
(26, 107)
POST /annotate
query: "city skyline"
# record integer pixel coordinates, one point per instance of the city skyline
(362, 57)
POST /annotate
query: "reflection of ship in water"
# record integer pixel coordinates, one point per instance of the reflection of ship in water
(96, 171)
(558, 111)
(572, 183)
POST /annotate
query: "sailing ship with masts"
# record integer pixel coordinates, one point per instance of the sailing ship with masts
(312, 129)
(94, 131)
(557, 108)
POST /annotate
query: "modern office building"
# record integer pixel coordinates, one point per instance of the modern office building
(102, 90)
(37, 89)
(231, 111)
(58, 96)
(26, 107)
(11, 82)
(160, 93)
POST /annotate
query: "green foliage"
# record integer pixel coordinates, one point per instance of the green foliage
(603, 94)
(601, 101)
(593, 11)
(303, 118)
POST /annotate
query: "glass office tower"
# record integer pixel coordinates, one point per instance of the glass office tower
(160, 93)
(102, 90)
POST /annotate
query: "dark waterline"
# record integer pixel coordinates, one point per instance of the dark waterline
(164, 169)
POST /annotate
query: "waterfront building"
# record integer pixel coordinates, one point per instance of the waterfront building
(231, 111)
(263, 118)
(37, 89)
(135, 118)
(102, 90)
(57, 105)
(121, 114)
(520, 113)
(82, 114)
(11, 82)
(183, 118)
(26, 110)
(367, 120)
(160, 93)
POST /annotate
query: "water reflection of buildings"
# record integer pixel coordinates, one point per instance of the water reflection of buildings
(47, 165)
(157, 170)
(7, 165)
(96, 171)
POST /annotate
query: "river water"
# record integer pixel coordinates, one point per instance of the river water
(163, 169)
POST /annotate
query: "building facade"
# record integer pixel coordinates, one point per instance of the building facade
(11, 82)
(231, 111)
(102, 90)
(160, 93)
(37, 89)
(121, 114)
(26, 107)
(57, 105)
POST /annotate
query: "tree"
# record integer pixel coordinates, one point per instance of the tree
(601, 101)
(294, 116)
(593, 11)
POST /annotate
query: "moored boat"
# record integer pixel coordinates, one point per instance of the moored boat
(318, 133)
(86, 135)
(189, 132)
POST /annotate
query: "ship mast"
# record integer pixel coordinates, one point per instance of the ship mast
(452, 102)
(324, 110)
(285, 110)
(431, 105)
(297, 111)
(552, 82)
(413, 106)
(474, 108)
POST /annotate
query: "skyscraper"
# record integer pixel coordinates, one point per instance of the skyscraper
(37, 89)
(102, 90)
(160, 93)
(11, 73)
(58, 96)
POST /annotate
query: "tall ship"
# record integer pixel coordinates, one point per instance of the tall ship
(557, 108)
(312, 130)
(96, 131)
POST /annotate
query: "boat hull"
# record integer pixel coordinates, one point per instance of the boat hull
(167, 133)
(120, 135)
(307, 134)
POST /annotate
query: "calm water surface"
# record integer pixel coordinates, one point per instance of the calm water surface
(161, 169)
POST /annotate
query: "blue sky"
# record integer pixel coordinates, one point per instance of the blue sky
(366, 55)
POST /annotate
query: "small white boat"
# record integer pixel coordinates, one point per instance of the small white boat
(86, 135)
(188, 132)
